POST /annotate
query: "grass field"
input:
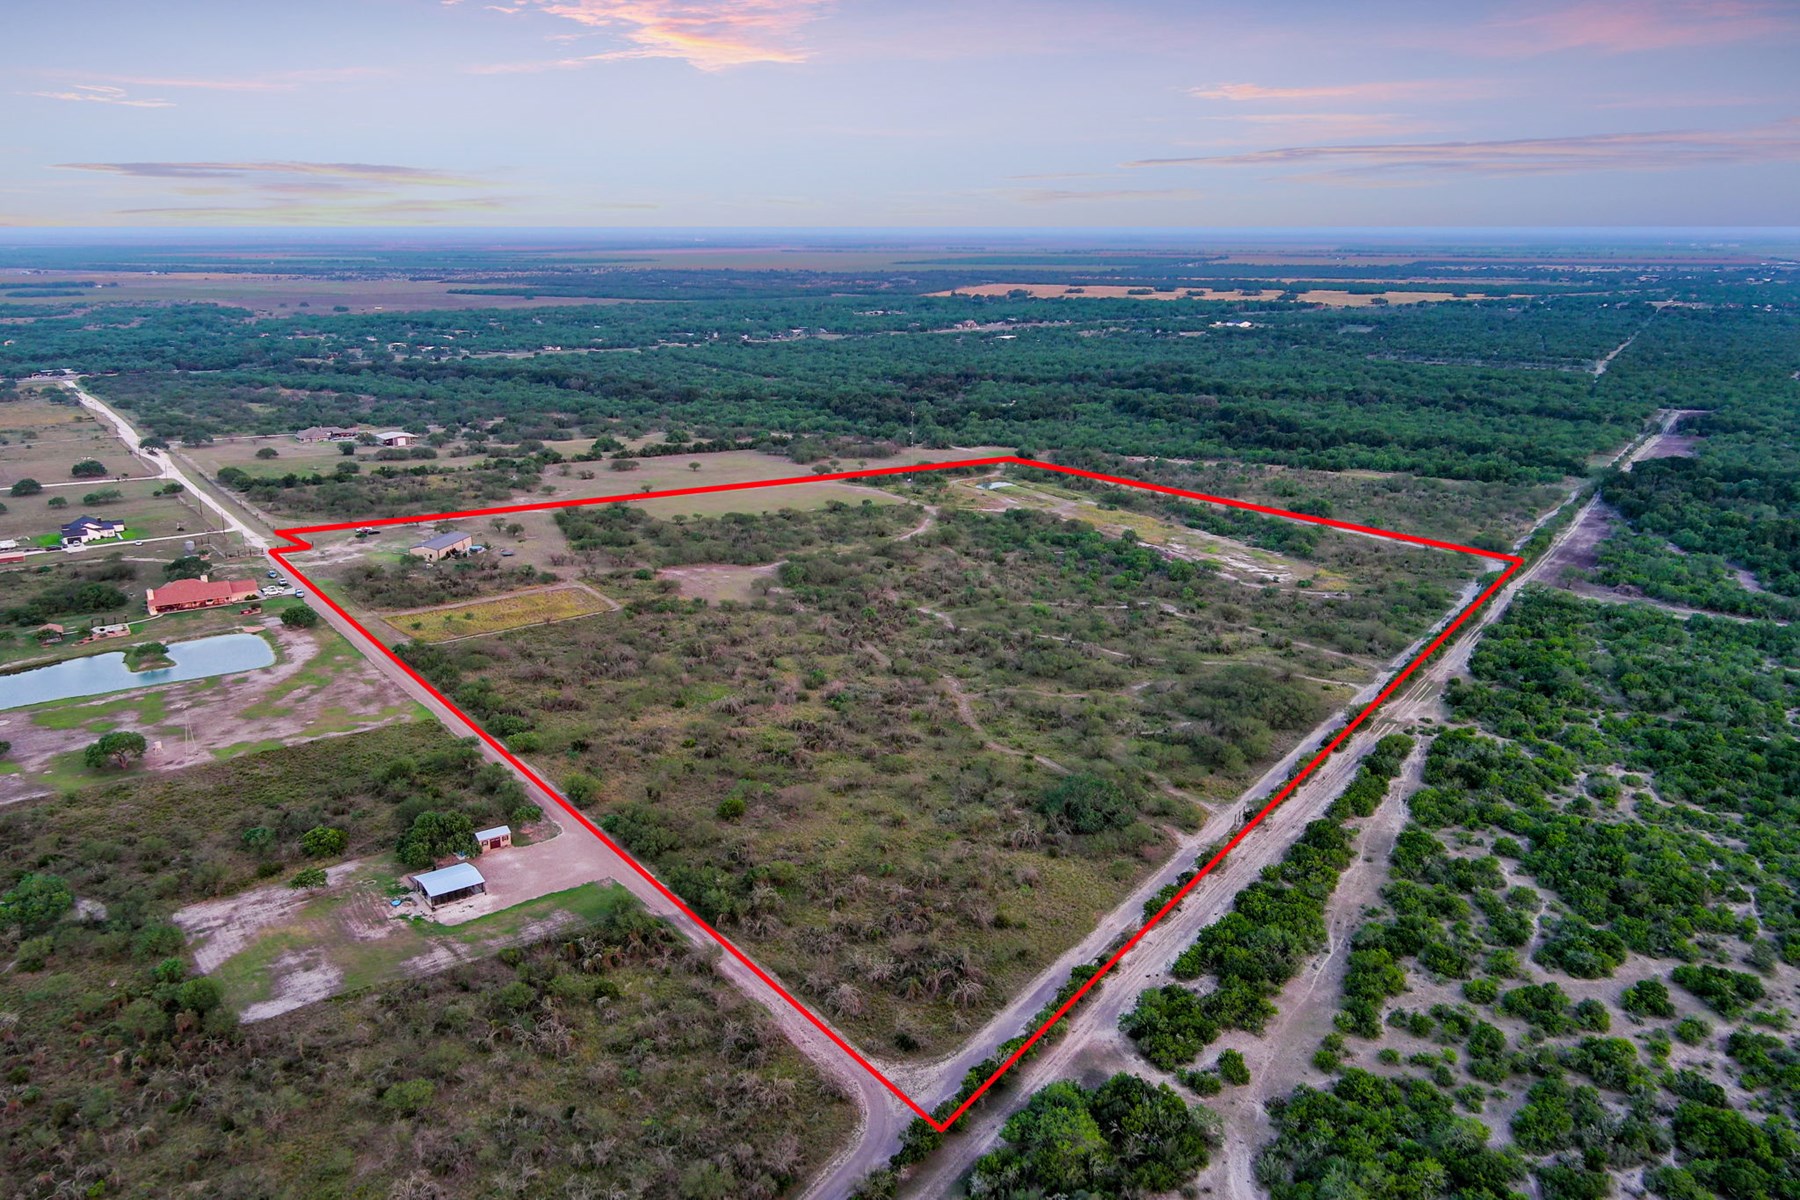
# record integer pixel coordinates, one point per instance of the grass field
(41, 440)
(290, 455)
(539, 606)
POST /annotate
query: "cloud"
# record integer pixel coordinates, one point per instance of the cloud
(710, 35)
(380, 212)
(1628, 26)
(94, 93)
(1332, 124)
(275, 174)
(1658, 151)
(1375, 90)
(1072, 195)
(293, 192)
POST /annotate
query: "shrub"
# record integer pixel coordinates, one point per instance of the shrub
(89, 468)
(1647, 998)
(36, 903)
(1727, 993)
(268, 452)
(1233, 1069)
(409, 1097)
(1084, 803)
(322, 841)
(299, 616)
(1480, 991)
(26, 487)
(311, 877)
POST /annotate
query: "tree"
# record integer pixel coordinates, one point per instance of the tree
(258, 839)
(299, 616)
(118, 749)
(188, 566)
(27, 487)
(693, 466)
(59, 502)
(347, 449)
(435, 835)
(322, 841)
(103, 496)
(35, 903)
(89, 468)
(153, 443)
(272, 452)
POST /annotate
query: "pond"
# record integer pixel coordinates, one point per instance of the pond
(101, 673)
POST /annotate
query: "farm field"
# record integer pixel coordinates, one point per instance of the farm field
(1330, 297)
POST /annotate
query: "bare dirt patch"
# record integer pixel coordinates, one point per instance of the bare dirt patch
(719, 581)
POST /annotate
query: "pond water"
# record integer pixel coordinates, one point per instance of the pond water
(101, 673)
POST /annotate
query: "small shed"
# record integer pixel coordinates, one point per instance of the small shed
(396, 437)
(497, 838)
(50, 633)
(457, 882)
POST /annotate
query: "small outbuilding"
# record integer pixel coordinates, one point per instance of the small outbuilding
(497, 838)
(396, 437)
(447, 884)
(51, 633)
(323, 433)
(444, 544)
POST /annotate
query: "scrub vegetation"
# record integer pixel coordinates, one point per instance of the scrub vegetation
(908, 770)
(125, 1074)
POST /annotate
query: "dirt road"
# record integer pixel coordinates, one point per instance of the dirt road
(873, 1099)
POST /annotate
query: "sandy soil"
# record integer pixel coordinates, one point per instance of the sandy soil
(719, 581)
(218, 929)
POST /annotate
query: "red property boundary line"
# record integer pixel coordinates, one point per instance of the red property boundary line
(299, 544)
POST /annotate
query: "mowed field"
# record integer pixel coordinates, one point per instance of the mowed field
(41, 440)
(289, 455)
(538, 606)
(30, 518)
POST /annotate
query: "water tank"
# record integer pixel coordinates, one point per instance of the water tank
(187, 547)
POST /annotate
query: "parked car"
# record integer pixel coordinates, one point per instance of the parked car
(273, 574)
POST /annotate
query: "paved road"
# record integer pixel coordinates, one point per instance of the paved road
(164, 464)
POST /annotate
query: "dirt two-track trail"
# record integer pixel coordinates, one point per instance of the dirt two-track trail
(1092, 1042)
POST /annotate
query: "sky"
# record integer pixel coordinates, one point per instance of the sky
(900, 113)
